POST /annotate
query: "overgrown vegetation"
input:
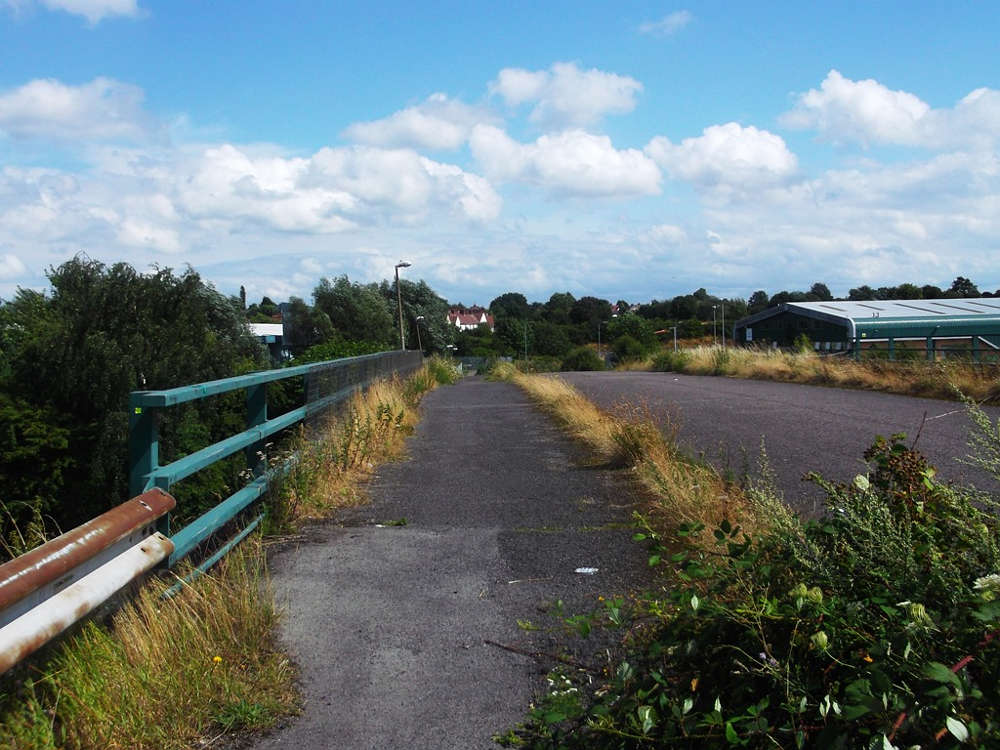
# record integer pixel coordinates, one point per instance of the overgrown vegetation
(169, 673)
(877, 626)
(332, 460)
(166, 673)
(928, 379)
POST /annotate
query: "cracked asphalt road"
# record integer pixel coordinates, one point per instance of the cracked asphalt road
(390, 625)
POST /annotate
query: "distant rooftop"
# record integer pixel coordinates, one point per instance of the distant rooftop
(911, 308)
(267, 329)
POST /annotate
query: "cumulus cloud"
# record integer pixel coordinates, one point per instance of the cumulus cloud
(93, 10)
(726, 155)
(868, 112)
(104, 109)
(439, 122)
(565, 95)
(573, 162)
(11, 267)
(669, 25)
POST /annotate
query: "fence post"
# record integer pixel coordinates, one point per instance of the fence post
(143, 444)
(256, 415)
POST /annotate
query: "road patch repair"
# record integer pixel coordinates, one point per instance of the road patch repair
(429, 617)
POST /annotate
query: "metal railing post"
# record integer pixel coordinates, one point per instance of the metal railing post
(143, 444)
(256, 415)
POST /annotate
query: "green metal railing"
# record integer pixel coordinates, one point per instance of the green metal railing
(145, 472)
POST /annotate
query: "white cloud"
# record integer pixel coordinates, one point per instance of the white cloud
(564, 95)
(93, 10)
(11, 267)
(439, 122)
(726, 155)
(868, 112)
(664, 234)
(104, 109)
(668, 25)
(311, 265)
(572, 162)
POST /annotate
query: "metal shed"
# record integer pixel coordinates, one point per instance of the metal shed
(969, 326)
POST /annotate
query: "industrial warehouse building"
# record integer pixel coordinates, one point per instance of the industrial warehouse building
(934, 328)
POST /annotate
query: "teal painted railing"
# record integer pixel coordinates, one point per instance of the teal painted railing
(145, 472)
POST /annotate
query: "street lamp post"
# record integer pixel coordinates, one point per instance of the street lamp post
(715, 336)
(399, 302)
(420, 345)
(723, 325)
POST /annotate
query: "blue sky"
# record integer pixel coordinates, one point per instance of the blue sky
(636, 150)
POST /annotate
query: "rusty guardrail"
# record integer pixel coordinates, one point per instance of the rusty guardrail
(45, 591)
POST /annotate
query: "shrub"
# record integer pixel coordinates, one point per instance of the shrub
(671, 361)
(876, 626)
(628, 348)
(582, 358)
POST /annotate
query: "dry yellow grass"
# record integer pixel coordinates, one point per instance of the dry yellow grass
(168, 672)
(928, 379)
(333, 462)
(180, 672)
(680, 491)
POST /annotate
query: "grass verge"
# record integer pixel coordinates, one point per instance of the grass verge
(876, 626)
(682, 491)
(182, 672)
(926, 379)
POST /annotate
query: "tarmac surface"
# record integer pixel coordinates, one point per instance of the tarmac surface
(394, 627)
(804, 428)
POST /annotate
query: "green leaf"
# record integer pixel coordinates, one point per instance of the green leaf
(938, 672)
(647, 716)
(957, 728)
(654, 560)
(853, 712)
(731, 735)
(694, 602)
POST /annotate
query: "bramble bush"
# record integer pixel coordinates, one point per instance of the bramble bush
(877, 626)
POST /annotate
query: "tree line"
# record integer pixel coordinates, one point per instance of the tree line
(69, 357)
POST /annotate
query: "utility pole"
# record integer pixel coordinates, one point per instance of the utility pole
(715, 336)
(723, 325)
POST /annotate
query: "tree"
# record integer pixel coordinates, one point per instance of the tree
(758, 301)
(357, 312)
(420, 300)
(861, 294)
(638, 329)
(929, 291)
(557, 309)
(549, 339)
(305, 326)
(962, 287)
(510, 305)
(590, 310)
(820, 292)
(100, 333)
